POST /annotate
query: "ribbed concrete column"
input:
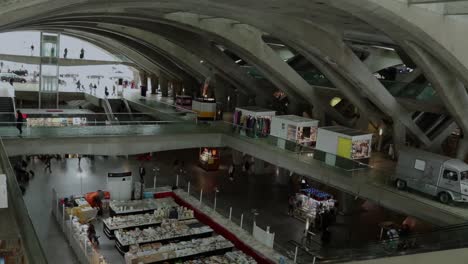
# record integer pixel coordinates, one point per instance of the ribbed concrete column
(154, 83)
(399, 136)
(144, 78)
(164, 84)
(462, 151)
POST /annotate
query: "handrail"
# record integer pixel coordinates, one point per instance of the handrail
(28, 235)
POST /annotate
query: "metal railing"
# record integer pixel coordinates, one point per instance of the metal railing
(29, 239)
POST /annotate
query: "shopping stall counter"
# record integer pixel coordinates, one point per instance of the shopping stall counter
(109, 229)
(195, 230)
(139, 206)
(182, 251)
(311, 202)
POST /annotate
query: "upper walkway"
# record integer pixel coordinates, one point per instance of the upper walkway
(372, 183)
(61, 61)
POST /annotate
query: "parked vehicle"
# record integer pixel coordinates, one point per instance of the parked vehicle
(20, 72)
(7, 76)
(442, 177)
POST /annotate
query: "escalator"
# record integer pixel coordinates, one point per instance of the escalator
(7, 111)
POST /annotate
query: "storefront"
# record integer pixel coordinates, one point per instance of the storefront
(205, 108)
(343, 147)
(209, 159)
(294, 129)
(253, 121)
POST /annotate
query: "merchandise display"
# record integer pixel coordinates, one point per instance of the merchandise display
(254, 121)
(83, 211)
(295, 128)
(143, 220)
(311, 202)
(181, 251)
(233, 257)
(56, 121)
(184, 100)
(342, 146)
(209, 158)
(80, 233)
(140, 206)
(169, 230)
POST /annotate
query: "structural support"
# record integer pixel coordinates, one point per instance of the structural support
(164, 84)
(450, 90)
(399, 136)
(143, 78)
(154, 83)
(249, 44)
(409, 78)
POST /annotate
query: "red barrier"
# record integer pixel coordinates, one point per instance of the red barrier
(219, 229)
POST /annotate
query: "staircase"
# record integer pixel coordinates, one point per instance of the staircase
(7, 111)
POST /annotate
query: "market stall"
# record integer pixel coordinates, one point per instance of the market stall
(184, 101)
(209, 159)
(170, 230)
(205, 108)
(311, 202)
(294, 129)
(343, 147)
(178, 252)
(139, 206)
(253, 121)
(127, 222)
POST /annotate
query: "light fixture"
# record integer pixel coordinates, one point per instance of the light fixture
(380, 131)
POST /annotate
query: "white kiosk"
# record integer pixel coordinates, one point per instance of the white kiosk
(343, 147)
(292, 128)
(120, 186)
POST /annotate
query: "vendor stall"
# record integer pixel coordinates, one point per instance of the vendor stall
(311, 202)
(294, 129)
(343, 147)
(253, 121)
(205, 108)
(184, 100)
(209, 159)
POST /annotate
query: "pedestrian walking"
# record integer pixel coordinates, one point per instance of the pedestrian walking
(106, 91)
(78, 85)
(95, 89)
(79, 160)
(65, 53)
(32, 50)
(82, 54)
(19, 121)
(142, 172)
(231, 172)
(91, 88)
(48, 164)
(113, 90)
(292, 203)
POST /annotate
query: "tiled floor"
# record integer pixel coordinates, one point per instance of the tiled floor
(266, 193)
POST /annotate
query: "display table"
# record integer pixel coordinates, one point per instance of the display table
(229, 257)
(139, 206)
(142, 221)
(83, 211)
(179, 252)
(209, 159)
(169, 231)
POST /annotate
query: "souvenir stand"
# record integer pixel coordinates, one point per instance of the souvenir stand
(292, 129)
(184, 101)
(343, 147)
(205, 108)
(310, 202)
(209, 159)
(253, 121)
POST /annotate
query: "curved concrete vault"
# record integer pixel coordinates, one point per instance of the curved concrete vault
(172, 37)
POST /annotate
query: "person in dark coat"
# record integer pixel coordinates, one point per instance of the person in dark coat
(142, 172)
(19, 121)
